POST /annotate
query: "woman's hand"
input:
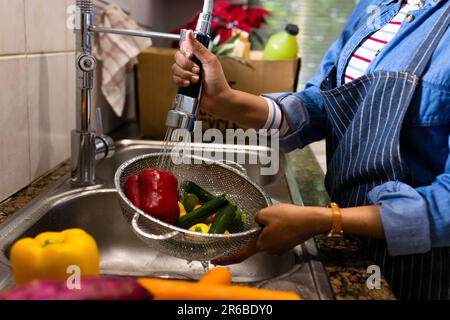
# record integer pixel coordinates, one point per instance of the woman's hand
(216, 90)
(284, 227)
(218, 98)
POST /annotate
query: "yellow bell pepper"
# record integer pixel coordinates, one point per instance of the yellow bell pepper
(49, 255)
(201, 228)
(182, 209)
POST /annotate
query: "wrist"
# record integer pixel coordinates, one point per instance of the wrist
(228, 98)
(323, 220)
(223, 102)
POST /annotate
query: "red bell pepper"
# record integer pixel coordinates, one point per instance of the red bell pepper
(155, 192)
(132, 190)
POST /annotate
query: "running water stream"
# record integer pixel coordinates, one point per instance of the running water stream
(172, 152)
(162, 159)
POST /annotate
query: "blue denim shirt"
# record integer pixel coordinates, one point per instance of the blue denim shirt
(415, 217)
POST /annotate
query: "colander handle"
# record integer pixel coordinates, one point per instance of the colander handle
(235, 165)
(138, 230)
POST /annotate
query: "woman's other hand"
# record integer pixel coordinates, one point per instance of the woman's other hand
(284, 227)
(185, 72)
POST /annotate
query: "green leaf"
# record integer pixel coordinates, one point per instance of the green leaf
(216, 40)
(241, 61)
(226, 48)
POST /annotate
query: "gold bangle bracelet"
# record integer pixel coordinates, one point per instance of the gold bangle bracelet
(336, 229)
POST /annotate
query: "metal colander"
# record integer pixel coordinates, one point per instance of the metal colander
(216, 177)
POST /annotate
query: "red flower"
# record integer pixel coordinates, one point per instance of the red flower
(237, 13)
(224, 33)
(221, 8)
(228, 17)
(257, 16)
(244, 27)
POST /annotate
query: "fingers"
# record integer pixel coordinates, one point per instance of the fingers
(191, 47)
(187, 46)
(243, 254)
(184, 71)
(185, 63)
(181, 82)
(262, 217)
(277, 245)
(265, 243)
(177, 71)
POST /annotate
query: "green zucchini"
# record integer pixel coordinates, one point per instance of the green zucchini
(200, 214)
(239, 220)
(202, 194)
(190, 201)
(240, 217)
(223, 220)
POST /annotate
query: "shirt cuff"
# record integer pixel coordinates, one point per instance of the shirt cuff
(404, 214)
(276, 119)
(296, 118)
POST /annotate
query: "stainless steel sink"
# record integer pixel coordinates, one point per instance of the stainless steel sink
(96, 210)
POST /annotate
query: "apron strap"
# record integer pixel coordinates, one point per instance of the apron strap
(425, 52)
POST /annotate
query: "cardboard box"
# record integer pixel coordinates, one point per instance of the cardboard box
(156, 90)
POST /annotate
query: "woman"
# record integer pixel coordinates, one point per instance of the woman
(381, 98)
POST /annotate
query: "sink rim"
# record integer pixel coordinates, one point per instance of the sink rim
(46, 206)
(24, 218)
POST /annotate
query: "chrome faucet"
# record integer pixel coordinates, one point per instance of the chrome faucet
(89, 145)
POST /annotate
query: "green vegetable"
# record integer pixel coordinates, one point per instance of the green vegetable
(223, 220)
(202, 194)
(239, 220)
(190, 201)
(200, 214)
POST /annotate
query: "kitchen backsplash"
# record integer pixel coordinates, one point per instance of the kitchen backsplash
(37, 86)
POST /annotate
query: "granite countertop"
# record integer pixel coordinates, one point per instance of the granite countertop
(345, 260)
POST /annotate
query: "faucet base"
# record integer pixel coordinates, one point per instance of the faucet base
(86, 149)
(83, 156)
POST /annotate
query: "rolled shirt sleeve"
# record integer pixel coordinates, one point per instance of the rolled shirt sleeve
(415, 220)
(306, 122)
(404, 214)
(437, 196)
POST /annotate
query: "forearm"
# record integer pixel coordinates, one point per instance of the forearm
(358, 221)
(363, 221)
(246, 110)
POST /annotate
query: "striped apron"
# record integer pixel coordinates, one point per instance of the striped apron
(363, 148)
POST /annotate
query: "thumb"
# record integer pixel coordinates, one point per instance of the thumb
(191, 47)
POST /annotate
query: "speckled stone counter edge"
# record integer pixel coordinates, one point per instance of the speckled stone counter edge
(23, 197)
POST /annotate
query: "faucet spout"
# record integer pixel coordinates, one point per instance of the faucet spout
(87, 144)
(186, 104)
(205, 18)
(208, 6)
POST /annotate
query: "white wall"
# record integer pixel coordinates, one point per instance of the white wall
(37, 86)
(36, 99)
(37, 81)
